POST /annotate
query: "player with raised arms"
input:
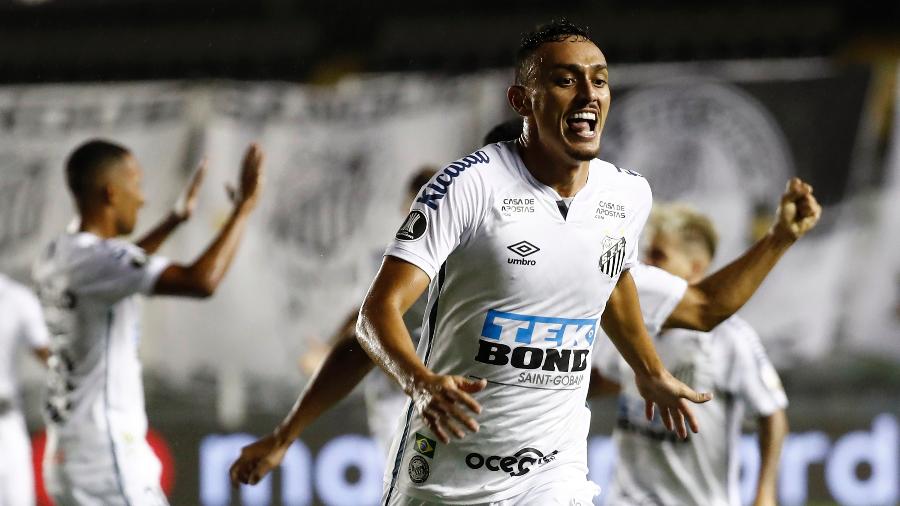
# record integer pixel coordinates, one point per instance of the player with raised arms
(88, 282)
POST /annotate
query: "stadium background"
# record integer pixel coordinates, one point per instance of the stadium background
(715, 104)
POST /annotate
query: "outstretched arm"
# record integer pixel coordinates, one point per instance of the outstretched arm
(349, 361)
(719, 295)
(772, 431)
(623, 323)
(343, 368)
(178, 215)
(441, 400)
(201, 278)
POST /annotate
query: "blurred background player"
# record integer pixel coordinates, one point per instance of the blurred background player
(384, 400)
(96, 449)
(655, 468)
(21, 324)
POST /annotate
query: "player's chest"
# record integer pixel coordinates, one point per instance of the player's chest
(526, 233)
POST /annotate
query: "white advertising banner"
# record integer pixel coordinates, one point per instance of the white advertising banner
(338, 163)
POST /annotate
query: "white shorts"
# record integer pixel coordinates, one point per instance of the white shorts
(575, 492)
(16, 476)
(93, 475)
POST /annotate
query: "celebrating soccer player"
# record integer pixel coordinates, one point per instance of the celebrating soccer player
(526, 246)
(653, 467)
(88, 281)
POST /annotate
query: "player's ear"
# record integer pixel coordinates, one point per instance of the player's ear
(518, 99)
(107, 193)
(698, 269)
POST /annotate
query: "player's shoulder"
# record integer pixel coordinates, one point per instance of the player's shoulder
(86, 253)
(88, 247)
(621, 178)
(655, 284)
(471, 175)
(651, 274)
(739, 334)
(736, 326)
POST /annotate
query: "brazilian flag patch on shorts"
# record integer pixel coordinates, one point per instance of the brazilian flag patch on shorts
(425, 445)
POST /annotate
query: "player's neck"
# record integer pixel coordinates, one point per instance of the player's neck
(99, 222)
(566, 177)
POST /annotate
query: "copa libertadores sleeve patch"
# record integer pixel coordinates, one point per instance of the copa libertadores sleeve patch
(413, 227)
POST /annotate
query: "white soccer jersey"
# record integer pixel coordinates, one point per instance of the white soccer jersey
(95, 393)
(658, 292)
(21, 323)
(655, 467)
(518, 286)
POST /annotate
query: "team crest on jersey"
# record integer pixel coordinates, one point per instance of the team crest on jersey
(613, 257)
(425, 445)
(418, 469)
(413, 227)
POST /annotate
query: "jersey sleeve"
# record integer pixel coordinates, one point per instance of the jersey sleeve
(659, 293)
(443, 216)
(32, 327)
(113, 270)
(758, 383)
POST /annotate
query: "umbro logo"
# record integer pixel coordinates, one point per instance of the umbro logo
(523, 249)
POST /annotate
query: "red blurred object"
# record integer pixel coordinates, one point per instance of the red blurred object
(155, 439)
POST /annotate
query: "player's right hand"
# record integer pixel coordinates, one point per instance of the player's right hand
(250, 179)
(256, 460)
(442, 402)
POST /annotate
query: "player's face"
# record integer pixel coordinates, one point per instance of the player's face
(128, 197)
(570, 97)
(668, 253)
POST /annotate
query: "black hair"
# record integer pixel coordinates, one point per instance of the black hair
(507, 131)
(556, 30)
(421, 176)
(87, 162)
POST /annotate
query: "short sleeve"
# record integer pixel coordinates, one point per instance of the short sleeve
(443, 216)
(659, 293)
(642, 203)
(758, 383)
(32, 327)
(113, 270)
(607, 359)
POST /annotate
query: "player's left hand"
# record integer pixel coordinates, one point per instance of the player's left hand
(188, 199)
(798, 212)
(256, 461)
(671, 396)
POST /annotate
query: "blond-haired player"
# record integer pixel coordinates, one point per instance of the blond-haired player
(654, 468)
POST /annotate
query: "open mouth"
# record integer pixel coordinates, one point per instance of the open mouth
(583, 124)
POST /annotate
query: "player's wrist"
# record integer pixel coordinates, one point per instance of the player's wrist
(781, 237)
(244, 205)
(283, 436)
(418, 381)
(176, 217)
(650, 369)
